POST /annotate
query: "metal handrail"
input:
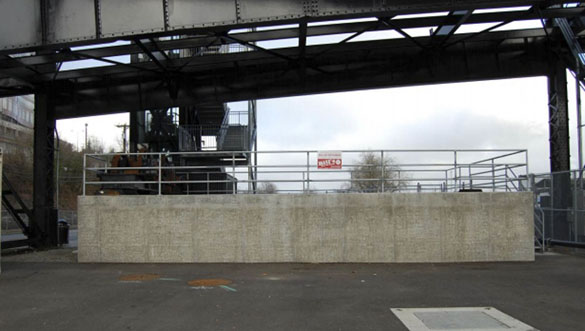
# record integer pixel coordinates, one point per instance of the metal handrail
(559, 201)
(353, 177)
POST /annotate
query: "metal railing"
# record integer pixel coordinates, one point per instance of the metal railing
(559, 204)
(298, 172)
(232, 135)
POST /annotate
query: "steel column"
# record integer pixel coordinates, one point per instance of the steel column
(559, 149)
(558, 118)
(45, 216)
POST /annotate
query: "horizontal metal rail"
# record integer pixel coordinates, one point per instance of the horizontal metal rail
(299, 171)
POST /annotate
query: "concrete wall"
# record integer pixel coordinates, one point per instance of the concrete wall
(458, 227)
(1, 166)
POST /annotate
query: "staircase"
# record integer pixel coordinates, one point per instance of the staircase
(235, 138)
(539, 231)
(18, 211)
(212, 114)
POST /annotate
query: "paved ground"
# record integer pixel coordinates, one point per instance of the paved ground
(17, 235)
(548, 294)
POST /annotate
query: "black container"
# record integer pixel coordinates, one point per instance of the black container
(63, 232)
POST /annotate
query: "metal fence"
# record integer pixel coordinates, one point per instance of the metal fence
(232, 135)
(298, 172)
(559, 209)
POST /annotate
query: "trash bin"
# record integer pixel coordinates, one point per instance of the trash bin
(63, 232)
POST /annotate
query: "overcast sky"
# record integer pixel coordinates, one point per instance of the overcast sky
(481, 115)
(505, 114)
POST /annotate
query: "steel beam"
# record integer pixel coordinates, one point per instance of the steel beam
(53, 23)
(353, 66)
(44, 231)
(284, 33)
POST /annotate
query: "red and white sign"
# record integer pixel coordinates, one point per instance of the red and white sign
(329, 160)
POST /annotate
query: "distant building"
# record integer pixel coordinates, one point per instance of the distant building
(16, 122)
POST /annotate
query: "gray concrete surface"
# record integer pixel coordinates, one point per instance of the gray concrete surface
(441, 227)
(547, 294)
(1, 167)
(17, 235)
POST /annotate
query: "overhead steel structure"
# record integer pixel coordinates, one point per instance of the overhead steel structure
(38, 36)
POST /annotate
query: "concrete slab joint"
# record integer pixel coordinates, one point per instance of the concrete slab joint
(360, 228)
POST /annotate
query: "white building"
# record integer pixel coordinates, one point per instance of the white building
(16, 122)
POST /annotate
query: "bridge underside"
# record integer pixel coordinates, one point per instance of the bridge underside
(352, 66)
(174, 36)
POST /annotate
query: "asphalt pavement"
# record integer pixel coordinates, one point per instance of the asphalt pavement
(548, 294)
(18, 236)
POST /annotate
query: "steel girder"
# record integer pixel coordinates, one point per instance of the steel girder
(206, 38)
(22, 74)
(350, 66)
(38, 24)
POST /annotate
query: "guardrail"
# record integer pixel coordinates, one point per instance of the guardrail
(299, 172)
(559, 207)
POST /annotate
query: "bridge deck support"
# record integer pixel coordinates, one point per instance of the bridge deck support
(44, 229)
(559, 149)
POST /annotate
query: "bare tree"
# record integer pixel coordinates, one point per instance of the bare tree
(267, 188)
(374, 174)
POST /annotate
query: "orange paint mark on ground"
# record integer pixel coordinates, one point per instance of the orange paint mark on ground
(209, 282)
(139, 277)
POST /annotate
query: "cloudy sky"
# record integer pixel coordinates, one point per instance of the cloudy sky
(508, 114)
(505, 114)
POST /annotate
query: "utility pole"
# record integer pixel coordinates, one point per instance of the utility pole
(124, 135)
(86, 136)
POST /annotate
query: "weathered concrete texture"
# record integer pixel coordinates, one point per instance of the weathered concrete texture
(459, 227)
(1, 166)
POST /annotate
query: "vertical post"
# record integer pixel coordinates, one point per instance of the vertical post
(255, 166)
(493, 175)
(455, 170)
(579, 120)
(304, 190)
(559, 148)
(250, 174)
(234, 183)
(57, 179)
(558, 117)
(382, 171)
(470, 178)
(578, 205)
(527, 165)
(446, 181)
(552, 204)
(506, 177)
(44, 223)
(159, 174)
(399, 181)
(308, 172)
(575, 214)
(84, 167)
